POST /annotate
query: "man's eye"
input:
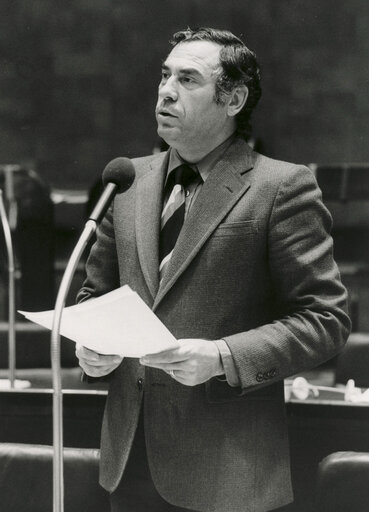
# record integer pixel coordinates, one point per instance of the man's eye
(164, 75)
(187, 80)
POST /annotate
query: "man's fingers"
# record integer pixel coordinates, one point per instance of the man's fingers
(165, 357)
(92, 358)
(193, 362)
(86, 354)
(97, 371)
(105, 360)
(167, 367)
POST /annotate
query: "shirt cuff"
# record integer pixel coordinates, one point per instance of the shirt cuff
(230, 372)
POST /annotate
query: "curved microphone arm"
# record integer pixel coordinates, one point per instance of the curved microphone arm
(58, 480)
(11, 291)
(118, 176)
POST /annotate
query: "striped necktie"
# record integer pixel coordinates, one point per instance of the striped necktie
(173, 214)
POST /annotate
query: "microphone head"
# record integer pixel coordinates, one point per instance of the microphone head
(121, 172)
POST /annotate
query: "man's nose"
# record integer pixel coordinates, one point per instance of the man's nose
(169, 89)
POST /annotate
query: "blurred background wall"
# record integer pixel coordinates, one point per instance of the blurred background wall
(78, 78)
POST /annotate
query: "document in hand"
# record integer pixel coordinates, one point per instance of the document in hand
(118, 322)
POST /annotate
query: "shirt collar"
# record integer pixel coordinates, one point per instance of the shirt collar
(206, 164)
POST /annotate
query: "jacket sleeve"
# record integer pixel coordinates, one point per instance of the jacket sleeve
(102, 272)
(315, 324)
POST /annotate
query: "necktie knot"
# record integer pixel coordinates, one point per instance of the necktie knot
(184, 175)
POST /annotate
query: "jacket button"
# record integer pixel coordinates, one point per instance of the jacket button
(140, 384)
(260, 377)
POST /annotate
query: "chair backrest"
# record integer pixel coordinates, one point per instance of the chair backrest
(34, 244)
(26, 479)
(353, 361)
(343, 483)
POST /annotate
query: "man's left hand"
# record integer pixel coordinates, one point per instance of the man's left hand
(193, 362)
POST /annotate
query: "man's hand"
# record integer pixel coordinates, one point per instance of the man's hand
(193, 362)
(94, 364)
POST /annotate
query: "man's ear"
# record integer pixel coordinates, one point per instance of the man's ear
(237, 100)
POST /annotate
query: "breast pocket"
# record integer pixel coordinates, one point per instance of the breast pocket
(236, 229)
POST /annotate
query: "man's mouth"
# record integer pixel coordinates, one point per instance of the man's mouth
(165, 113)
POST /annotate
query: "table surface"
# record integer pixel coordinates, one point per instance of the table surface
(317, 426)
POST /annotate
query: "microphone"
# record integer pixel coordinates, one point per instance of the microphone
(117, 177)
(8, 171)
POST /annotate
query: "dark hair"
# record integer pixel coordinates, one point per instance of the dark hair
(238, 66)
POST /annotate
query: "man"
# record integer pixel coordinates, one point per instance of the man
(248, 285)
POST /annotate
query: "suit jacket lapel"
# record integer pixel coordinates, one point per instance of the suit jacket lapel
(220, 192)
(148, 212)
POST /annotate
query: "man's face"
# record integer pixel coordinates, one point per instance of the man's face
(187, 115)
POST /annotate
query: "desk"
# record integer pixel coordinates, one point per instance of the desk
(318, 427)
(26, 416)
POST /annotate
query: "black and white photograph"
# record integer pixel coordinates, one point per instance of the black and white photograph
(184, 256)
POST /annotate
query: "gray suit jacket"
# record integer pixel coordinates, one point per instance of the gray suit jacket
(253, 265)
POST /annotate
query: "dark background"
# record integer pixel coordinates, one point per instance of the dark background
(78, 78)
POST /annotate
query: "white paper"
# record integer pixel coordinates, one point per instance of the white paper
(118, 322)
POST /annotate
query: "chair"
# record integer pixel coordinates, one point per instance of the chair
(34, 241)
(26, 479)
(342, 484)
(353, 361)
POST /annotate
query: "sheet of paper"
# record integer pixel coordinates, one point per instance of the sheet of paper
(118, 322)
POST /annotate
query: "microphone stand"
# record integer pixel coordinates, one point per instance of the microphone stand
(124, 168)
(11, 292)
(58, 477)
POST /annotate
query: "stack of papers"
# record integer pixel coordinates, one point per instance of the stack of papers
(118, 322)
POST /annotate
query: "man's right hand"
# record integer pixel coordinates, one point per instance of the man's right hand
(95, 364)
